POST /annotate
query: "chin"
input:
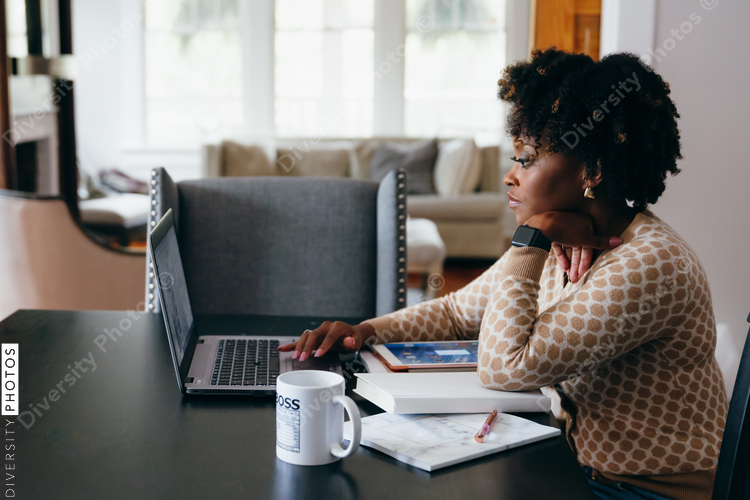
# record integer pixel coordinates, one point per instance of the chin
(520, 218)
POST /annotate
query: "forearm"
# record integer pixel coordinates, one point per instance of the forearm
(457, 315)
(421, 322)
(511, 315)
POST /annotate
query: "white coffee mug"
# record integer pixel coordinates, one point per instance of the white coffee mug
(310, 418)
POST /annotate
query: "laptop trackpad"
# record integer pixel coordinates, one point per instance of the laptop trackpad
(327, 362)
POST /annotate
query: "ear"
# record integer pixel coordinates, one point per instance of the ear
(596, 179)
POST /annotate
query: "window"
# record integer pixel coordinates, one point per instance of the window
(193, 70)
(318, 68)
(324, 67)
(455, 50)
(15, 12)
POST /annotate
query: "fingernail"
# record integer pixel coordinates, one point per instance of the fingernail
(614, 241)
(318, 353)
(303, 356)
(295, 355)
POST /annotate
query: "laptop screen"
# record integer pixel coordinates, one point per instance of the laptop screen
(175, 300)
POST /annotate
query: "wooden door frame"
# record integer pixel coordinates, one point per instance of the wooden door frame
(7, 180)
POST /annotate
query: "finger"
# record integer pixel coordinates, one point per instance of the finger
(338, 332)
(300, 344)
(287, 347)
(587, 255)
(562, 258)
(603, 242)
(575, 259)
(349, 344)
(314, 339)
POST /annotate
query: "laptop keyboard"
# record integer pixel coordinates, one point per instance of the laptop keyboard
(246, 362)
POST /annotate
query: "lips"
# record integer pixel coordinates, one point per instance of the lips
(512, 201)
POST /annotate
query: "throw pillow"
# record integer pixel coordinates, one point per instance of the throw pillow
(315, 162)
(458, 168)
(361, 157)
(417, 159)
(240, 160)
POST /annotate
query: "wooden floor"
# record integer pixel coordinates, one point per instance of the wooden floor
(457, 273)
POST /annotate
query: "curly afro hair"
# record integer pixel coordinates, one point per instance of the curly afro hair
(615, 114)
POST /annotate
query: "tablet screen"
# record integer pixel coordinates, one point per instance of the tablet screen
(435, 352)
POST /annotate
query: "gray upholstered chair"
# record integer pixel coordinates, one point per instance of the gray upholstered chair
(299, 246)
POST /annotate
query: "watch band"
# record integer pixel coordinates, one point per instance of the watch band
(527, 236)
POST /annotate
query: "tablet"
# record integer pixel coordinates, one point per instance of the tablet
(401, 356)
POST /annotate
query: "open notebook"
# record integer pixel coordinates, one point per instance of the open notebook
(431, 442)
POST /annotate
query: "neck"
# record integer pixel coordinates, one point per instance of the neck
(610, 219)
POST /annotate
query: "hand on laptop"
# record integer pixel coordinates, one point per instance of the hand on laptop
(337, 334)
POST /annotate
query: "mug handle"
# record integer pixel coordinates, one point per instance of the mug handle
(353, 411)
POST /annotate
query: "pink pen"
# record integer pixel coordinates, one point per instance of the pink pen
(485, 427)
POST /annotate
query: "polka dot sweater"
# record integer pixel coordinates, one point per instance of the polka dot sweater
(629, 347)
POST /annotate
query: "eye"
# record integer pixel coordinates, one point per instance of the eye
(523, 161)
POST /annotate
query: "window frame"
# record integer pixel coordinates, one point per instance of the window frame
(257, 39)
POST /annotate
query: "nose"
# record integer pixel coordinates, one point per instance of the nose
(510, 178)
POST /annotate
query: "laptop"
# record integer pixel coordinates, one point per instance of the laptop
(216, 364)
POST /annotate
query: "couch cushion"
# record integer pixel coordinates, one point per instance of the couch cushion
(240, 160)
(423, 243)
(323, 162)
(466, 206)
(458, 167)
(418, 160)
(127, 210)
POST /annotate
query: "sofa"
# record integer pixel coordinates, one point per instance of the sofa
(470, 224)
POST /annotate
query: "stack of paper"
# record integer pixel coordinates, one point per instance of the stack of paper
(432, 442)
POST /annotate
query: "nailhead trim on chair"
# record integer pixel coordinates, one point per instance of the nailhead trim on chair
(401, 233)
(154, 216)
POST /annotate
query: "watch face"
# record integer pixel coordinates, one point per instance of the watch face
(524, 235)
(530, 237)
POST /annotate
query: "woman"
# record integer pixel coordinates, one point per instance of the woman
(617, 319)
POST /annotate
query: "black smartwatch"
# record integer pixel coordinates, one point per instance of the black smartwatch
(527, 236)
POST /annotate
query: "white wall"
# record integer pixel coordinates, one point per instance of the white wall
(627, 25)
(106, 41)
(97, 102)
(708, 202)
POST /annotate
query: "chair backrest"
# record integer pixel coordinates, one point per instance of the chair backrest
(48, 262)
(288, 246)
(733, 472)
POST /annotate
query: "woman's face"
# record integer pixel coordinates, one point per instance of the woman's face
(543, 183)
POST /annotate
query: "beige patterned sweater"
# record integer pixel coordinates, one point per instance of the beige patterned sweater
(629, 347)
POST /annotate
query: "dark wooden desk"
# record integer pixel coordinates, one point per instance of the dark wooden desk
(124, 430)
